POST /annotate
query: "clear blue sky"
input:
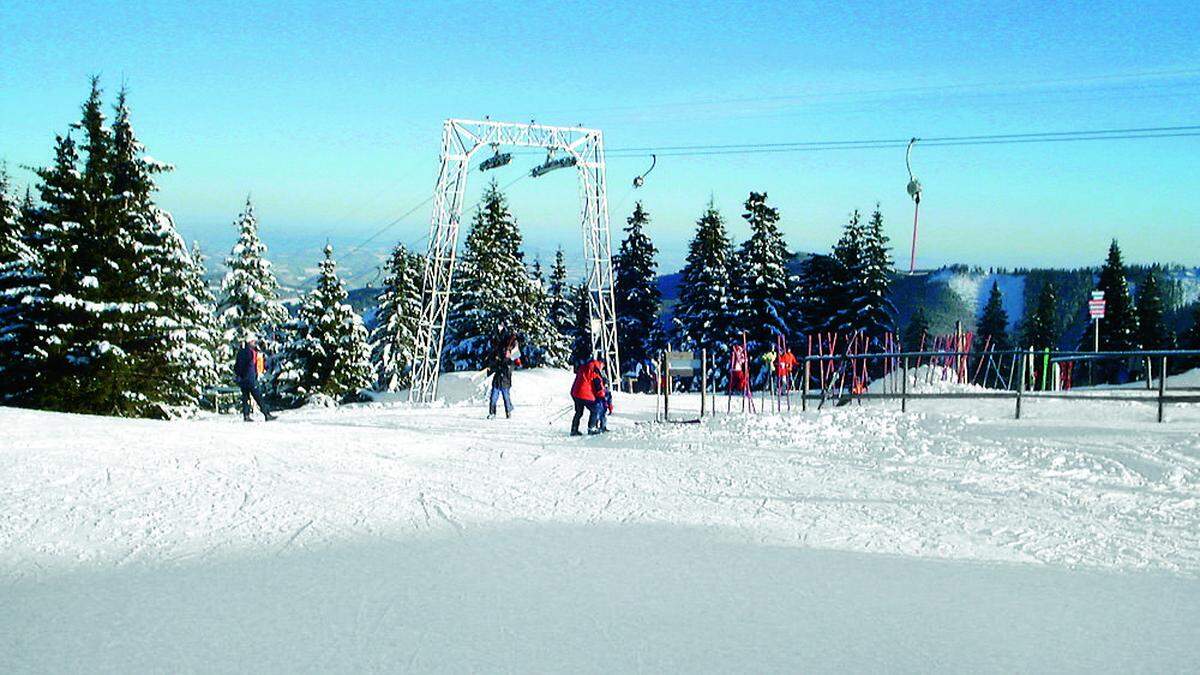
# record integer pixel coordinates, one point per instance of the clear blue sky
(330, 113)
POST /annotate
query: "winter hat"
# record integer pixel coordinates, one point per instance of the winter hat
(250, 337)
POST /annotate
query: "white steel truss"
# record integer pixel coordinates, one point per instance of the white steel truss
(461, 139)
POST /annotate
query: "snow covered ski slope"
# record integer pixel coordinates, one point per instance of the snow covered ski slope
(389, 537)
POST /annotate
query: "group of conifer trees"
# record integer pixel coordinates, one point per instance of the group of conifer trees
(1127, 324)
(104, 309)
(755, 290)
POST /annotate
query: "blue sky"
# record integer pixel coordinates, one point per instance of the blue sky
(330, 113)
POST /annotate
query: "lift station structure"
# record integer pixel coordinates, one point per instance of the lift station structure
(566, 147)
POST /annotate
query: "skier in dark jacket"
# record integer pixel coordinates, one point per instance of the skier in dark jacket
(500, 365)
(249, 365)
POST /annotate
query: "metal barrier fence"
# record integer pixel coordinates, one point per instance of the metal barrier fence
(845, 377)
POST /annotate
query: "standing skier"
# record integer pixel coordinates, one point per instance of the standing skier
(645, 374)
(739, 364)
(500, 365)
(784, 366)
(588, 392)
(249, 365)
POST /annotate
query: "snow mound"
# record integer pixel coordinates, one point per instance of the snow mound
(924, 380)
(533, 386)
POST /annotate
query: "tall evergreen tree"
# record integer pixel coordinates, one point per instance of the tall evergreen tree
(18, 282)
(35, 330)
(637, 296)
(849, 252)
(561, 311)
(993, 322)
(99, 306)
(394, 338)
(702, 316)
(581, 338)
(107, 328)
(762, 299)
(492, 287)
(170, 280)
(1040, 326)
(13, 238)
(327, 352)
(817, 294)
(1153, 332)
(871, 277)
(1118, 329)
(249, 292)
(916, 334)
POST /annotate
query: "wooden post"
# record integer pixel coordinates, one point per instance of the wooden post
(703, 379)
(1162, 387)
(904, 387)
(666, 378)
(958, 336)
(657, 390)
(1021, 382)
(804, 386)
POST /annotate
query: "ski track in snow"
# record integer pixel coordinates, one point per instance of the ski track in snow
(1076, 485)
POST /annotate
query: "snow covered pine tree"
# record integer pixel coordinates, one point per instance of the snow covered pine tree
(19, 274)
(492, 287)
(762, 285)
(558, 294)
(1040, 326)
(1120, 329)
(817, 294)
(865, 278)
(173, 276)
(1153, 332)
(993, 322)
(637, 296)
(108, 322)
(326, 358)
(581, 332)
(249, 292)
(394, 337)
(702, 316)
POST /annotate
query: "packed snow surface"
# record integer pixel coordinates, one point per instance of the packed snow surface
(391, 536)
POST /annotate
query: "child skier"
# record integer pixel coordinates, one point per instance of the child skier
(603, 404)
(589, 393)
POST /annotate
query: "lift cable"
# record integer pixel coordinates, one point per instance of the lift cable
(980, 139)
(397, 220)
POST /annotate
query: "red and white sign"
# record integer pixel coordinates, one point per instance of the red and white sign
(1096, 309)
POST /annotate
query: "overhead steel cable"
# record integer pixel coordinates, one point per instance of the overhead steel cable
(978, 139)
(396, 221)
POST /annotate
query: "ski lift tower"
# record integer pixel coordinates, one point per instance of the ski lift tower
(565, 146)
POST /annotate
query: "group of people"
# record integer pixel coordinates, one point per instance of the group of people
(781, 363)
(590, 391)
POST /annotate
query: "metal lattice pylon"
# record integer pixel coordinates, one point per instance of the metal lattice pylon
(461, 139)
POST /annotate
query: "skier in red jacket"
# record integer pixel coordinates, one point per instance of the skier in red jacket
(589, 393)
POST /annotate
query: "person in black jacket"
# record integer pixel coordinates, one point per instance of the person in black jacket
(249, 365)
(500, 365)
